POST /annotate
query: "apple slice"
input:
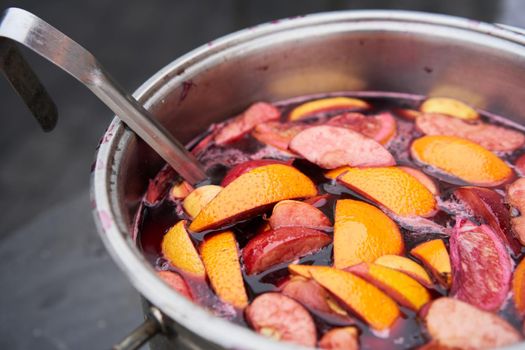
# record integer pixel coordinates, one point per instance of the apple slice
(178, 248)
(433, 254)
(199, 198)
(345, 338)
(312, 108)
(277, 134)
(518, 288)
(520, 165)
(175, 281)
(408, 114)
(253, 192)
(280, 245)
(363, 233)
(449, 106)
(180, 190)
(391, 187)
(461, 158)
(481, 266)
(399, 286)
(458, 325)
(381, 127)
(489, 206)
(277, 316)
(407, 266)
(220, 256)
(362, 298)
(289, 213)
(245, 167)
(330, 147)
(516, 198)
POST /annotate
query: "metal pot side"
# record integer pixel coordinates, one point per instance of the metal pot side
(398, 51)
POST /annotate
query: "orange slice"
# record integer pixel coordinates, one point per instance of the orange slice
(461, 158)
(363, 233)
(423, 178)
(199, 198)
(364, 299)
(305, 270)
(434, 255)
(450, 107)
(399, 286)
(178, 248)
(518, 287)
(391, 187)
(326, 104)
(253, 192)
(221, 259)
(403, 264)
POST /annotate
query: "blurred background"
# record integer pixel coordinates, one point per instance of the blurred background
(59, 288)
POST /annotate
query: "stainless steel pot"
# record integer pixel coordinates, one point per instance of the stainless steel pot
(407, 52)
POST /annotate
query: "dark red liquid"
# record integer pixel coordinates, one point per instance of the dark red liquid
(407, 332)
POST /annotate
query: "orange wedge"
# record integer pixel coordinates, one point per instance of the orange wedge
(391, 187)
(364, 299)
(221, 259)
(363, 233)
(423, 178)
(399, 286)
(253, 192)
(450, 107)
(403, 264)
(305, 270)
(178, 248)
(518, 287)
(434, 255)
(199, 198)
(326, 104)
(461, 158)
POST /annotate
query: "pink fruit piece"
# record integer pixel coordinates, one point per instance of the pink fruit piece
(346, 338)
(454, 324)
(289, 213)
(158, 187)
(284, 244)
(242, 168)
(520, 165)
(381, 127)
(489, 206)
(277, 316)
(331, 147)
(316, 299)
(516, 198)
(277, 134)
(257, 113)
(481, 266)
(175, 281)
(318, 201)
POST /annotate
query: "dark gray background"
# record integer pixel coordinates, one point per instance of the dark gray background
(59, 288)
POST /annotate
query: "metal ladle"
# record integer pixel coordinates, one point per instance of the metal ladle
(27, 29)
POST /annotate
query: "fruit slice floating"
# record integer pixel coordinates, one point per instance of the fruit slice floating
(408, 114)
(516, 198)
(391, 187)
(481, 266)
(363, 233)
(364, 299)
(458, 325)
(180, 190)
(245, 167)
(277, 316)
(450, 107)
(381, 127)
(199, 198)
(253, 192)
(518, 288)
(289, 213)
(491, 137)
(305, 270)
(423, 178)
(346, 338)
(257, 113)
(331, 147)
(399, 286)
(520, 165)
(178, 248)
(309, 109)
(221, 259)
(489, 206)
(283, 244)
(175, 281)
(433, 254)
(461, 158)
(277, 134)
(407, 266)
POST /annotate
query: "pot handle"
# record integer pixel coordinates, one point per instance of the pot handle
(151, 326)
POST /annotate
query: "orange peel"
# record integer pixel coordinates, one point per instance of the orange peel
(333, 103)
(518, 287)
(434, 255)
(178, 248)
(450, 107)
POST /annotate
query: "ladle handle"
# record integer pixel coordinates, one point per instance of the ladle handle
(27, 29)
(140, 335)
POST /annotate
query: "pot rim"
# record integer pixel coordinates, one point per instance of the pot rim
(106, 207)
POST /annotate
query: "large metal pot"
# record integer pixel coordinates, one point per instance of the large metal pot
(406, 52)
